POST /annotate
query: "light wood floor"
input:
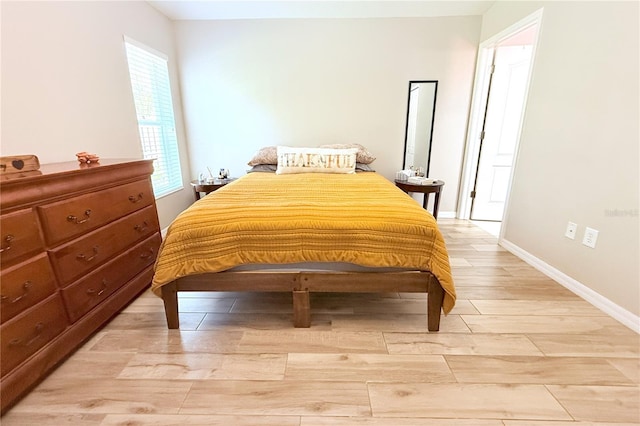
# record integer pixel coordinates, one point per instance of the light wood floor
(518, 350)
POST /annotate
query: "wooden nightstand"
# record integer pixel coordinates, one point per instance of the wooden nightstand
(435, 188)
(207, 187)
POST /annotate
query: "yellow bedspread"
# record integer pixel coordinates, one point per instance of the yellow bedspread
(264, 218)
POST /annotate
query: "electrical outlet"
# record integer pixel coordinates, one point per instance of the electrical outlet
(590, 237)
(571, 230)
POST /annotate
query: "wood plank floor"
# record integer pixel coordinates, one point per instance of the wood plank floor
(518, 350)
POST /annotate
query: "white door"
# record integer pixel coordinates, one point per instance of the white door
(500, 134)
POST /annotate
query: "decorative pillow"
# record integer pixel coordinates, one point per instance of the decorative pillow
(266, 155)
(315, 160)
(363, 156)
(263, 168)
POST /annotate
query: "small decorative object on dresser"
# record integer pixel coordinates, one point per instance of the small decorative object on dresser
(85, 157)
(17, 166)
(77, 244)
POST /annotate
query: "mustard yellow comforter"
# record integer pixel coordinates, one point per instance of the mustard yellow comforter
(264, 218)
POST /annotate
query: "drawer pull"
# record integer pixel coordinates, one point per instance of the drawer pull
(25, 286)
(147, 254)
(100, 292)
(84, 258)
(7, 247)
(37, 333)
(134, 199)
(74, 219)
(142, 228)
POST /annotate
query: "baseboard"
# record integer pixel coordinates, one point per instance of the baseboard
(599, 301)
(447, 215)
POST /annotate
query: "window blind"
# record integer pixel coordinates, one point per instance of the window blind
(154, 110)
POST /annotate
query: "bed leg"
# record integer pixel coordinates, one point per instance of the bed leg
(170, 298)
(434, 304)
(301, 309)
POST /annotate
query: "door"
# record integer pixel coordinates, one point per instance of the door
(499, 136)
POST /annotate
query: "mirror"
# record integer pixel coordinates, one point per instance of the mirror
(421, 109)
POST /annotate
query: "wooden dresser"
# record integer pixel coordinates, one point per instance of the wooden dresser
(77, 244)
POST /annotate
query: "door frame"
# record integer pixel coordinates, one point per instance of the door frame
(478, 107)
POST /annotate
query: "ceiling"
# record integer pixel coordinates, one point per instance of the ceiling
(263, 9)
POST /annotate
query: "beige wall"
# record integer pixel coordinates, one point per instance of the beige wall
(247, 84)
(579, 154)
(65, 82)
(305, 82)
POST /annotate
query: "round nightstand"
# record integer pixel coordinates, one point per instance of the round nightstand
(208, 186)
(434, 188)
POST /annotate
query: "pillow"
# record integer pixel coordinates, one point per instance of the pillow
(363, 156)
(315, 160)
(364, 168)
(263, 168)
(266, 155)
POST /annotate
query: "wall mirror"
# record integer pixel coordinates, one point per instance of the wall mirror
(421, 109)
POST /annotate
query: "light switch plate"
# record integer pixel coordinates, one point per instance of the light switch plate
(590, 237)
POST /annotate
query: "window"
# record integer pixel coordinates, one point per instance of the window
(154, 109)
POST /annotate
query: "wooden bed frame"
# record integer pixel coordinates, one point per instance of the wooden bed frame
(302, 283)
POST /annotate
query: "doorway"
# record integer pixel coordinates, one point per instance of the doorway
(500, 91)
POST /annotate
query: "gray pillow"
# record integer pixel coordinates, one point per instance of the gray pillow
(263, 168)
(361, 167)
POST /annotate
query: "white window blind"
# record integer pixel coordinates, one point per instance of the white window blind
(154, 109)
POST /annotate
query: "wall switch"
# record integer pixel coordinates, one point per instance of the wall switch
(571, 230)
(590, 237)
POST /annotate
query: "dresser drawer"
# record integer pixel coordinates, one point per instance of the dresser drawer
(82, 255)
(19, 236)
(23, 335)
(70, 218)
(24, 285)
(83, 295)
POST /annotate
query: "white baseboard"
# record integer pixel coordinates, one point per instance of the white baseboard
(447, 215)
(599, 301)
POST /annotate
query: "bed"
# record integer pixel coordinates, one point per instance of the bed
(302, 233)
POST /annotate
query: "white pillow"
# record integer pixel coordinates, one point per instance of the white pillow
(315, 160)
